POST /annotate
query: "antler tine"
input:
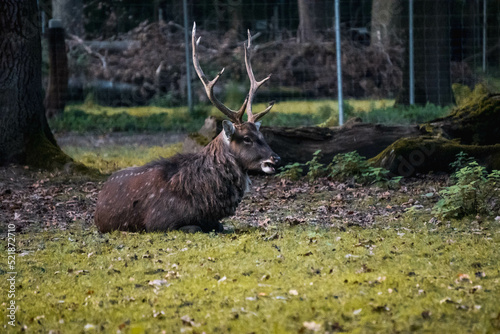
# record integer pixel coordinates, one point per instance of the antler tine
(235, 116)
(254, 85)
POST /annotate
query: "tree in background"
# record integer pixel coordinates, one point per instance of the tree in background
(25, 136)
(432, 52)
(306, 31)
(384, 22)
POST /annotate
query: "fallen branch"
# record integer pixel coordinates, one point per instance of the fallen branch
(81, 42)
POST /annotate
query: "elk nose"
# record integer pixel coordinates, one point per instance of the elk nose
(275, 158)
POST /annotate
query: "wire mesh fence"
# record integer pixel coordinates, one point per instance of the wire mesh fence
(134, 53)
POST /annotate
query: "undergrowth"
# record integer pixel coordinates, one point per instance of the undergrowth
(402, 115)
(344, 167)
(283, 281)
(472, 191)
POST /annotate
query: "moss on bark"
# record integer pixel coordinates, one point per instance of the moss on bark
(473, 127)
(475, 122)
(425, 154)
(42, 153)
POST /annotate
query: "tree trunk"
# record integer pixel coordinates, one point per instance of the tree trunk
(432, 53)
(25, 136)
(383, 26)
(230, 11)
(305, 32)
(476, 122)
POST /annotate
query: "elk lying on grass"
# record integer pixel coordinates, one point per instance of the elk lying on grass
(191, 192)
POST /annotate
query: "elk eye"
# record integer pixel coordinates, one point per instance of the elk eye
(247, 140)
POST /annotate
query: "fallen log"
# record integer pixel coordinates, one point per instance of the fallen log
(298, 144)
(473, 128)
(425, 154)
(475, 122)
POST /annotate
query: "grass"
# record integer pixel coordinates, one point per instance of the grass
(404, 274)
(288, 280)
(90, 117)
(403, 115)
(108, 159)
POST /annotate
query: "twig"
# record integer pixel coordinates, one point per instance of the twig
(89, 50)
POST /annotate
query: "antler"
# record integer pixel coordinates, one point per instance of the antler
(254, 85)
(235, 116)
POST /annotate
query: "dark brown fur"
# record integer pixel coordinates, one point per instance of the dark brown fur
(191, 192)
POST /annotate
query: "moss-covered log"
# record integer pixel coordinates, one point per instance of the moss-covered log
(427, 154)
(299, 144)
(475, 122)
(473, 127)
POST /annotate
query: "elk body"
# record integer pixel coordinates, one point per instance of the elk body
(191, 192)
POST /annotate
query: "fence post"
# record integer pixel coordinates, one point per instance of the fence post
(411, 60)
(188, 63)
(485, 22)
(55, 98)
(339, 63)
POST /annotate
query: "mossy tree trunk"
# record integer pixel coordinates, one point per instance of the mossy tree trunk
(432, 53)
(25, 136)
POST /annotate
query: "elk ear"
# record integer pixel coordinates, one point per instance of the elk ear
(228, 128)
(257, 125)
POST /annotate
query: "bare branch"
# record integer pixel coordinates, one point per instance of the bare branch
(80, 41)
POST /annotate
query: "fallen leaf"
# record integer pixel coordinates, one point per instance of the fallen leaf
(312, 326)
(159, 282)
(187, 320)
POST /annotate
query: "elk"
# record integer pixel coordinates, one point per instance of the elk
(192, 192)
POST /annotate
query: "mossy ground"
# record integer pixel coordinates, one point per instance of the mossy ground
(297, 257)
(89, 117)
(288, 280)
(108, 159)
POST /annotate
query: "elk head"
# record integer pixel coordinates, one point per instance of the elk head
(245, 141)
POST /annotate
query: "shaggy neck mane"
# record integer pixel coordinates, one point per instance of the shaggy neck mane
(218, 150)
(211, 177)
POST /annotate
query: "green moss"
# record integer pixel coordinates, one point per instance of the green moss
(41, 153)
(361, 280)
(423, 154)
(111, 158)
(199, 138)
(461, 93)
(478, 103)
